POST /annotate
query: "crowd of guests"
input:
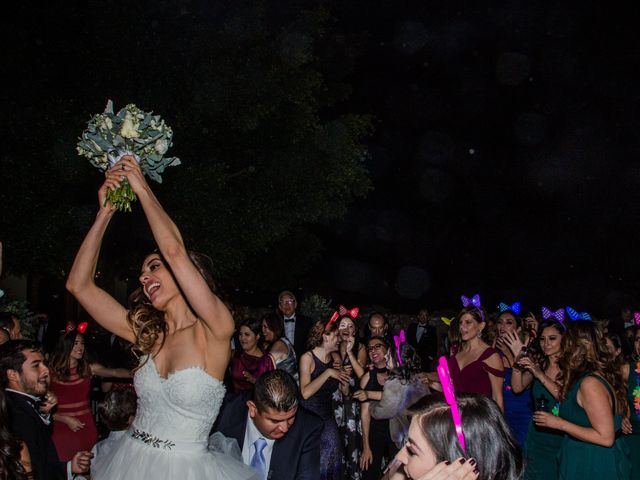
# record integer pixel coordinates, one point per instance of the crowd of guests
(555, 395)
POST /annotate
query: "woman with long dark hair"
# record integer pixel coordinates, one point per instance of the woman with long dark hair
(539, 371)
(433, 449)
(517, 404)
(278, 345)
(353, 357)
(475, 366)
(594, 402)
(15, 463)
(182, 329)
(74, 428)
(249, 361)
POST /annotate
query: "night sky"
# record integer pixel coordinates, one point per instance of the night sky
(505, 155)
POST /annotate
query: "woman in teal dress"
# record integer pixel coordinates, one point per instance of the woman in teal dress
(594, 401)
(540, 369)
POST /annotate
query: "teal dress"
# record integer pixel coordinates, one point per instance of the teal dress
(582, 460)
(633, 441)
(542, 445)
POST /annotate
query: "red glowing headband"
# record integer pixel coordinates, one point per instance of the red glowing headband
(342, 312)
(72, 326)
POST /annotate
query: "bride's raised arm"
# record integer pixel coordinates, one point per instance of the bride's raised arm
(207, 306)
(99, 304)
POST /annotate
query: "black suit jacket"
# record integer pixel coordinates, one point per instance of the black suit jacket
(28, 426)
(427, 348)
(303, 326)
(296, 456)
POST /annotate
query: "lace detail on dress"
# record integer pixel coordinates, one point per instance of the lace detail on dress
(170, 436)
(180, 408)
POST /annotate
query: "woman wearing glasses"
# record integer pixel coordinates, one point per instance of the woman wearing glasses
(376, 436)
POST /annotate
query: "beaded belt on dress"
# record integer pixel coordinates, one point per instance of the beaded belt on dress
(164, 443)
(154, 441)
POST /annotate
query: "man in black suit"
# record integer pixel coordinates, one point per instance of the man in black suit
(277, 437)
(424, 339)
(296, 327)
(25, 379)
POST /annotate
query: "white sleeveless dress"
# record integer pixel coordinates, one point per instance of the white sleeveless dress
(169, 438)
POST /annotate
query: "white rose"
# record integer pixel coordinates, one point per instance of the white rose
(161, 146)
(129, 128)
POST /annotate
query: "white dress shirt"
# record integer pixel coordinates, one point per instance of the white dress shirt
(290, 329)
(251, 434)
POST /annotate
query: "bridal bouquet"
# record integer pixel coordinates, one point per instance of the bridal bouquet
(131, 131)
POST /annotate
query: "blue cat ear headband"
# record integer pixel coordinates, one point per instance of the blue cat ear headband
(575, 315)
(515, 308)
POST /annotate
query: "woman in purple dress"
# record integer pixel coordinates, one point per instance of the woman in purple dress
(249, 362)
(475, 366)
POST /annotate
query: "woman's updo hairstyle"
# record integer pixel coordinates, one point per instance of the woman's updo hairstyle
(319, 329)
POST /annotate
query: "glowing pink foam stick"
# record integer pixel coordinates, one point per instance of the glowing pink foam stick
(449, 395)
(399, 340)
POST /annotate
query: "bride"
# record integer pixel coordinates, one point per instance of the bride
(183, 328)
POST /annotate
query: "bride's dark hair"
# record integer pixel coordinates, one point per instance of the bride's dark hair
(146, 322)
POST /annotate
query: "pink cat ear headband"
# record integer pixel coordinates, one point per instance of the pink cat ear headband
(399, 340)
(450, 397)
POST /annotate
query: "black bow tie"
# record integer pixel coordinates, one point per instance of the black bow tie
(289, 320)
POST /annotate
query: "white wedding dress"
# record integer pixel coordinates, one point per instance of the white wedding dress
(169, 438)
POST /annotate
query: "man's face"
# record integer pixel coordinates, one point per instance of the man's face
(378, 326)
(34, 377)
(423, 316)
(272, 423)
(287, 305)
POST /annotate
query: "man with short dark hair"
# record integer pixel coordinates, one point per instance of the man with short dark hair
(277, 437)
(25, 379)
(296, 327)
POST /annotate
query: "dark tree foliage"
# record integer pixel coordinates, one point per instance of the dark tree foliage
(253, 91)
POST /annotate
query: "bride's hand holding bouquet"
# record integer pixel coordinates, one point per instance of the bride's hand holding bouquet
(141, 136)
(126, 169)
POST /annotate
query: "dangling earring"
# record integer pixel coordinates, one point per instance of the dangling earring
(479, 334)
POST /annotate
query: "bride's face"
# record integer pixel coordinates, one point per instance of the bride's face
(157, 281)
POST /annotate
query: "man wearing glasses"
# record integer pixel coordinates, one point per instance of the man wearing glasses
(296, 327)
